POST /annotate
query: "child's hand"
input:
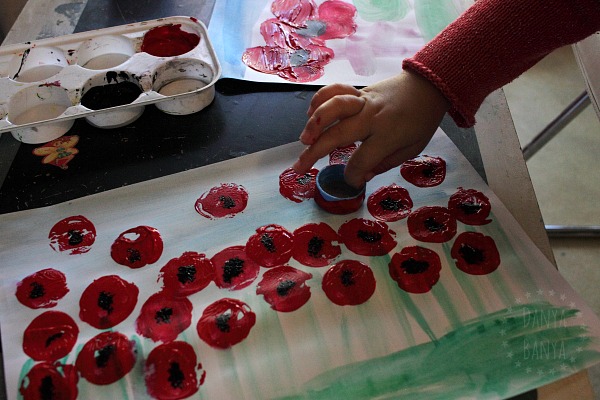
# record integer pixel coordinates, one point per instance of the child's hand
(394, 119)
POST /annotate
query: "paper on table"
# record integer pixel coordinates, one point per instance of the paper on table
(488, 336)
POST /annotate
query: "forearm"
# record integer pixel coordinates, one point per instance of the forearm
(494, 42)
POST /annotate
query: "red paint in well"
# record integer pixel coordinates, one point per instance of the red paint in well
(270, 246)
(187, 274)
(168, 41)
(42, 289)
(349, 283)
(296, 187)
(73, 235)
(390, 203)
(432, 224)
(415, 269)
(234, 270)
(284, 288)
(107, 301)
(170, 371)
(223, 201)
(50, 381)
(316, 245)
(367, 238)
(470, 206)
(106, 358)
(163, 317)
(424, 171)
(225, 323)
(137, 247)
(50, 336)
(475, 253)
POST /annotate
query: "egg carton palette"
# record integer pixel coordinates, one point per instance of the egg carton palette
(106, 76)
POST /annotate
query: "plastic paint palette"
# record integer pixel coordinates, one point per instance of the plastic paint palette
(106, 76)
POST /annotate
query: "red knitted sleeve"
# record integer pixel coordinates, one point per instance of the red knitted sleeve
(494, 42)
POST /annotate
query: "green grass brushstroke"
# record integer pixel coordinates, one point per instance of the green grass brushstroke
(382, 10)
(434, 15)
(472, 361)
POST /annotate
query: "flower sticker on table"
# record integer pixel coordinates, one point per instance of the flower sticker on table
(295, 39)
(59, 151)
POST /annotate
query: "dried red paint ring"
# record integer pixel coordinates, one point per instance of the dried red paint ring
(42, 289)
(187, 274)
(107, 301)
(73, 235)
(50, 336)
(223, 201)
(470, 206)
(296, 187)
(284, 288)
(316, 245)
(432, 224)
(50, 381)
(270, 246)
(475, 253)
(225, 323)
(163, 317)
(137, 247)
(170, 371)
(349, 283)
(234, 270)
(415, 269)
(390, 203)
(106, 358)
(334, 195)
(424, 171)
(367, 238)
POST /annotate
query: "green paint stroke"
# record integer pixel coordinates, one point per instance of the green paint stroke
(382, 10)
(496, 355)
(434, 15)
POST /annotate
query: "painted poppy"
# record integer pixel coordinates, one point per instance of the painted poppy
(73, 235)
(284, 288)
(475, 253)
(270, 246)
(50, 336)
(50, 381)
(187, 274)
(367, 238)
(42, 289)
(223, 201)
(163, 317)
(225, 322)
(234, 270)
(107, 301)
(316, 245)
(341, 155)
(470, 206)
(432, 224)
(424, 171)
(349, 283)
(390, 203)
(415, 269)
(296, 187)
(137, 247)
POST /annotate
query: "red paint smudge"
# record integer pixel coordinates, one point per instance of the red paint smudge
(316, 245)
(50, 381)
(349, 283)
(73, 235)
(50, 336)
(367, 238)
(163, 317)
(424, 171)
(270, 246)
(296, 187)
(225, 323)
(294, 12)
(106, 358)
(107, 301)
(470, 206)
(137, 247)
(234, 270)
(339, 19)
(188, 274)
(432, 224)
(224, 201)
(170, 371)
(390, 203)
(475, 253)
(341, 155)
(415, 269)
(284, 288)
(42, 289)
(169, 41)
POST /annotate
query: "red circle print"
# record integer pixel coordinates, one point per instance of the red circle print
(284, 288)
(432, 224)
(107, 301)
(168, 41)
(298, 188)
(163, 317)
(187, 274)
(50, 381)
(475, 253)
(137, 247)
(224, 201)
(390, 203)
(316, 245)
(73, 235)
(424, 171)
(367, 238)
(170, 371)
(341, 155)
(415, 269)
(106, 358)
(234, 270)
(470, 206)
(42, 289)
(50, 336)
(270, 246)
(348, 283)
(225, 323)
